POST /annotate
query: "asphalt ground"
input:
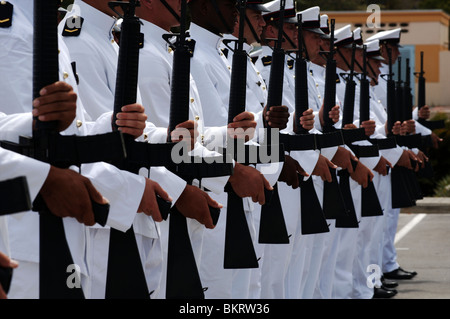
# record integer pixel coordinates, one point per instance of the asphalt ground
(423, 245)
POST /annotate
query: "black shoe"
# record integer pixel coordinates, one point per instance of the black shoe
(413, 273)
(388, 283)
(398, 274)
(383, 293)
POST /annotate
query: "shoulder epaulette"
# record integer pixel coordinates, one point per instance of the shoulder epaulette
(266, 60)
(72, 27)
(6, 14)
(290, 63)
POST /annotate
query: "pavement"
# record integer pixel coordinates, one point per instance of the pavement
(423, 245)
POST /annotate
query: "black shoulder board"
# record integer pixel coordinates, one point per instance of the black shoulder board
(266, 60)
(290, 63)
(338, 79)
(73, 25)
(6, 14)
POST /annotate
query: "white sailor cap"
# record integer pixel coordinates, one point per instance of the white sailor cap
(344, 37)
(324, 25)
(272, 12)
(388, 36)
(357, 38)
(373, 50)
(311, 20)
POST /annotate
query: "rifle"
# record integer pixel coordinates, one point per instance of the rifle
(349, 97)
(401, 193)
(431, 124)
(313, 216)
(329, 100)
(364, 102)
(239, 250)
(14, 198)
(142, 154)
(183, 280)
(370, 204)
(49, 146)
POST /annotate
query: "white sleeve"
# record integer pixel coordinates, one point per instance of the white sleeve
(123, 190)
(15, 165)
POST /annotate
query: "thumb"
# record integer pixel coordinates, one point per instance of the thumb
(162, 193)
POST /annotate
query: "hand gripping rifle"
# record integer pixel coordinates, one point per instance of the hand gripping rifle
(49, 146)
(183, 280)
(421, 101)
(14, 198)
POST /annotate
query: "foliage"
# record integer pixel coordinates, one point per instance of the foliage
(440, 159)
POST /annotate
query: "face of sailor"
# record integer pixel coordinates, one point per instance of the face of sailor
(155, 12)
(395, 52)
(291, 31)
(376, 65)
(205, 15)
(313, 42)
(359, 55)
(257, 21)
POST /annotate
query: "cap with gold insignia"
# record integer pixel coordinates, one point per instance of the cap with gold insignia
(344, 37)
(373, 50)
(257, 5)
(311, 20)
(272, 12)
(6, 14)
(388, 36)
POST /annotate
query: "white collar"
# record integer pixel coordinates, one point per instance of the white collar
(205, 37)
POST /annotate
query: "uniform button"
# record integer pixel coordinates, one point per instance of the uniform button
(169, 50)
(79, 123)
(197, 117)
(317, 84)
(192, 100)
(65, 75)
(264, 87)
(145, 136)
(257, 72)
(112, 41)
(229, 68)
(318, 96)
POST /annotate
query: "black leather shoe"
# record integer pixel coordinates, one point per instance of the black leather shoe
(398, 274)
(413, 273)
(389, 283)
(383, 293)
